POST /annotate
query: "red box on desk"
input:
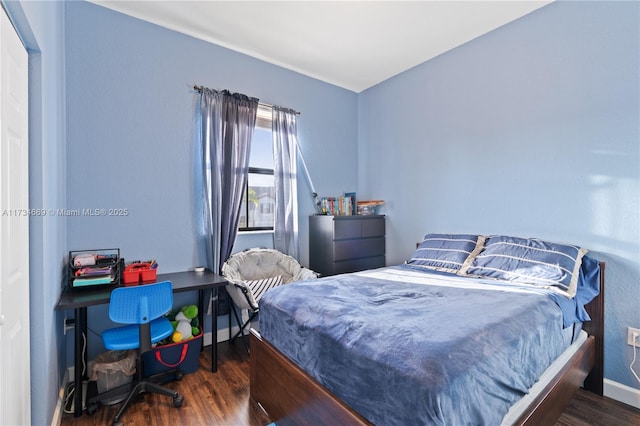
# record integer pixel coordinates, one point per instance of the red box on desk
(138, 272)
(148, 275)
(183, 356)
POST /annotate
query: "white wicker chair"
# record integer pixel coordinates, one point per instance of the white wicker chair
(254, 271)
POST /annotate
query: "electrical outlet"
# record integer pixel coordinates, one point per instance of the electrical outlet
(630, 333)
(68, 324)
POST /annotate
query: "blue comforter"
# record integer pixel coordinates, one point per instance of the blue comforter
(401, 349)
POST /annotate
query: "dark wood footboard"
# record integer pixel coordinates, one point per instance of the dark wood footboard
(291, 397)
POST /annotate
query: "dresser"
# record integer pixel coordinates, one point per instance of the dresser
(340, 244)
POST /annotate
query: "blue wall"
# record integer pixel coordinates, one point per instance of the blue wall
(530, 130)
(130, 135)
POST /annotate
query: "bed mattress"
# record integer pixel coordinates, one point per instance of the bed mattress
(405, 347)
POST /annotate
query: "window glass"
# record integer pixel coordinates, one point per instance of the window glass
(258, 202)
(261, 149)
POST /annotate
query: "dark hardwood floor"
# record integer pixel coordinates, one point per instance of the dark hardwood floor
(222, 398)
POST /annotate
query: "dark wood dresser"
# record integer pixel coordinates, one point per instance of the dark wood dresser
(339, 244)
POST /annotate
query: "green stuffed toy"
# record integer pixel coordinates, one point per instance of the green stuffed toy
(185, 323)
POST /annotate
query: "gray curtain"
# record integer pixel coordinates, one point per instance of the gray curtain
(285, 140)
(227, 122)
(211, 144)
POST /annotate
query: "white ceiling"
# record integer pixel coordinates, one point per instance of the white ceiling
(352, 44)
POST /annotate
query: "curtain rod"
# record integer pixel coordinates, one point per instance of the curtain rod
(199, 89)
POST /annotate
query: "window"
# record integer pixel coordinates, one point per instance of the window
(259, 198)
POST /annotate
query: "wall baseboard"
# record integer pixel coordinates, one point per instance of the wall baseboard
(622, 393)
(57, 413)
(223, 334)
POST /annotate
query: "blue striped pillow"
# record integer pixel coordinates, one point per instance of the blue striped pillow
(445, 252)
(530, 261)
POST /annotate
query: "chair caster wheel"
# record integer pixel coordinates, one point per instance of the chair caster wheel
(91, 409)
(177, 401)
(179, 375)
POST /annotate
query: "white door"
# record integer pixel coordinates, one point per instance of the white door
(15, 389)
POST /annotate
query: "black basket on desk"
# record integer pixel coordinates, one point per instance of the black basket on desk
(104, 271)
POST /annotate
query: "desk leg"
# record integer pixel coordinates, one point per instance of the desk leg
(214, 330)
(201, 312)
(79, 357)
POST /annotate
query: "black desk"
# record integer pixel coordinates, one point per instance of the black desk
(79, 300)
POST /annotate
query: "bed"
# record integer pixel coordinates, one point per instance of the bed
(470, 330)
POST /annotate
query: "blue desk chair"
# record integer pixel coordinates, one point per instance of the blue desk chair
(141, 307)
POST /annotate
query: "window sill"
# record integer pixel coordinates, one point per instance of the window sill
(265, 231)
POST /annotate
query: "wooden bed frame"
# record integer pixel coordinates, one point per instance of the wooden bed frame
(291, 397)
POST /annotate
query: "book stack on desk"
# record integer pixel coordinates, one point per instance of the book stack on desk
(94, 276)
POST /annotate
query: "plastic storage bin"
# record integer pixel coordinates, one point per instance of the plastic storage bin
(112, 369)
(139, 272)
(148, 275)
(183, 356)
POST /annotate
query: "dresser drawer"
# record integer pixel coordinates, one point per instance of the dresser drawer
(355, 265)
(358, 228)
(373, 228)
(354, 249)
